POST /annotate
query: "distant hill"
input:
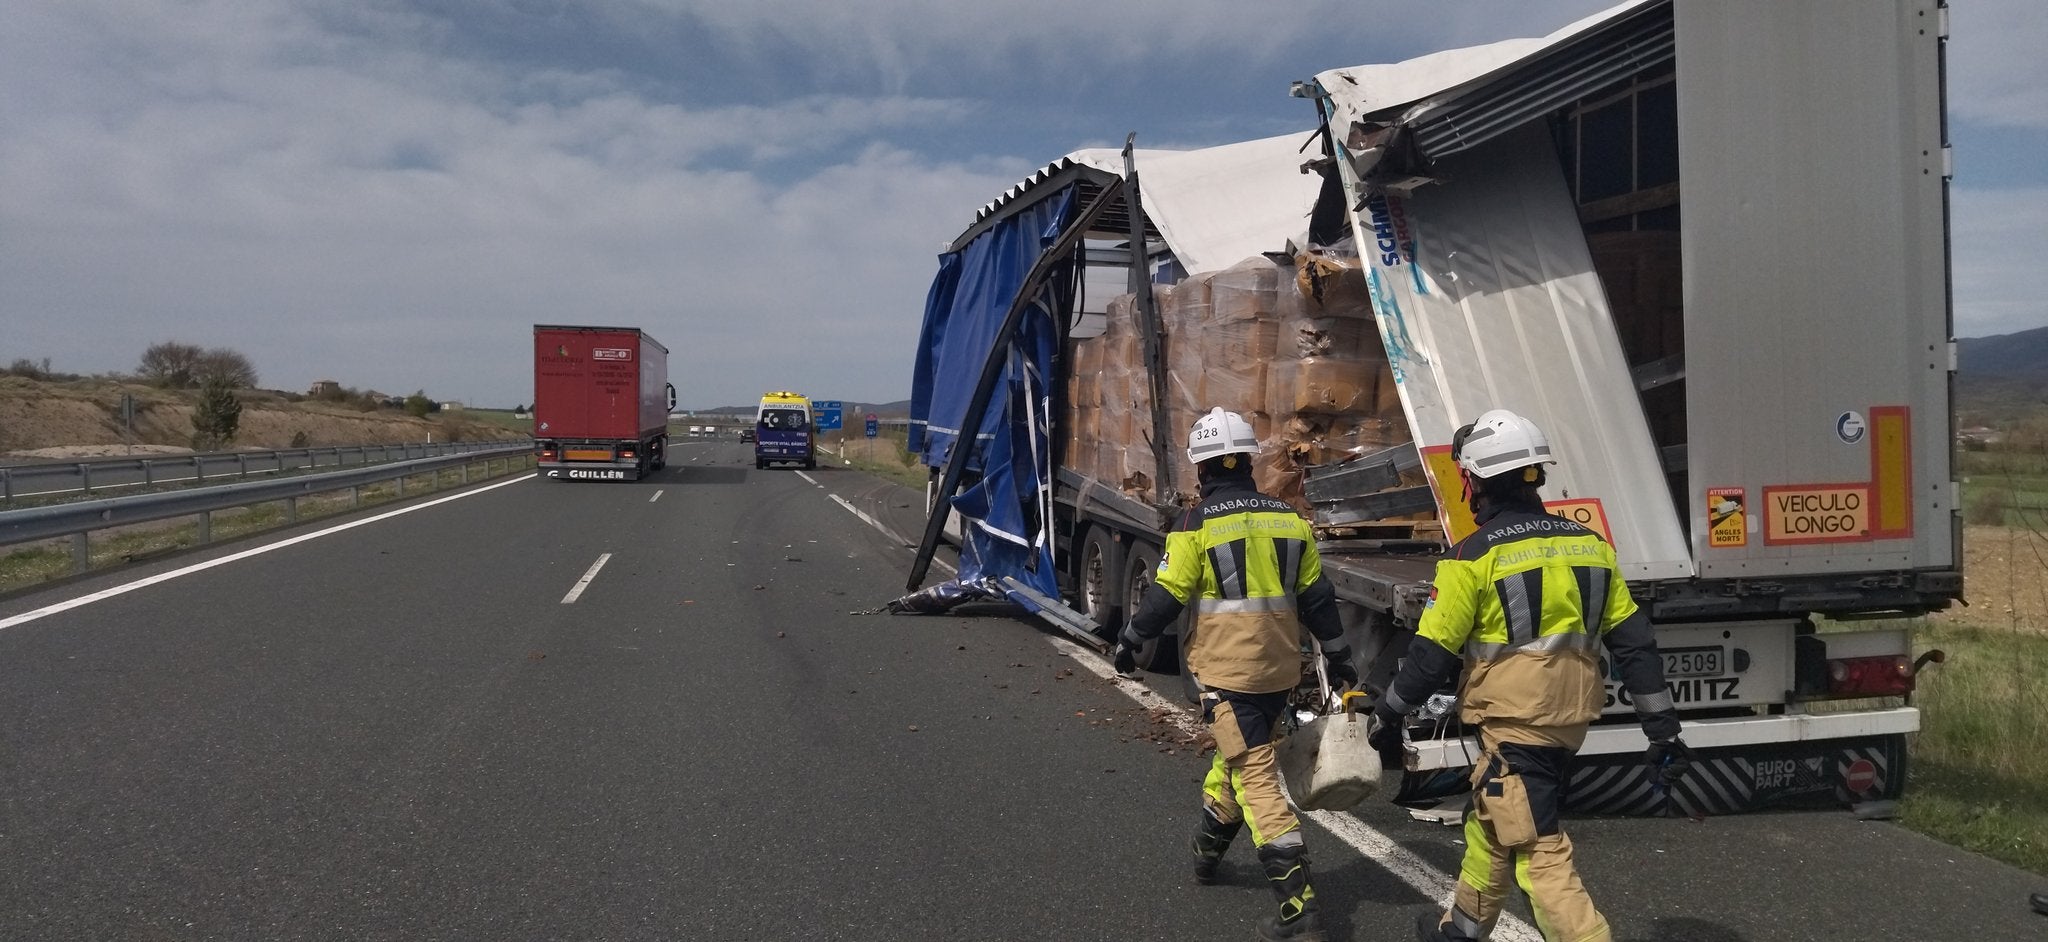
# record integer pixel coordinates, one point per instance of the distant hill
(2002, 379)
(2021, 354)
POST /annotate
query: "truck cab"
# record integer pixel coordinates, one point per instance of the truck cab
(784, 432)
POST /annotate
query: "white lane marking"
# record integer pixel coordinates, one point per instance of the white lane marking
(83, 600)
(807, 477)
(656, 497)
(1370, 843)
(877, 524)
(584, 583)
(1375, 846)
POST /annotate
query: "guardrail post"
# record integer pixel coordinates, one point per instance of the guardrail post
(242, 462)
(81, 553)
(198, 470)
(280, 460)
(85, 477)
(148, 471)
(465, 475)
(401, 485)
(6, 486)
(206, 526)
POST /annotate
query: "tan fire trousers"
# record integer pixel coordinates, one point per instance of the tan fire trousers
(1513, 832)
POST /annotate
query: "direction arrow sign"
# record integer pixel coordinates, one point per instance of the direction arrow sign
(825, 414)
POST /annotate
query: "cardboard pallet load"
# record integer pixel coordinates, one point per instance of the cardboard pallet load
(1294, 349)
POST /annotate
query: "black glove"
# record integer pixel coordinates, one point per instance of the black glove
(1126, 658)
(1669, 760)
(1388, 727)
(1338, 666)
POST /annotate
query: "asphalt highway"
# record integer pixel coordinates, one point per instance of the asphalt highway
(540, 709)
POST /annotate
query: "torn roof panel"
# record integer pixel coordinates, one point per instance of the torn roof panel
(1214, 206)
(1503, 81)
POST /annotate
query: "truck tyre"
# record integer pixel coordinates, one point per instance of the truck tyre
(1163, 656)
(1097, 582)
(759, 464)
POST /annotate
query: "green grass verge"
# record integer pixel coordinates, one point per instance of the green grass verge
(885, 456)
(1979, 765)
(27, 566)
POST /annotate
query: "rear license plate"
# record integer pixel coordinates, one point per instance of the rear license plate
(587, 454)
(1694, 662)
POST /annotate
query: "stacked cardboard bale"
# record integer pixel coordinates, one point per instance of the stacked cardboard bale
(1293, 349)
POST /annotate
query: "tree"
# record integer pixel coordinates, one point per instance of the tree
(227, 366)
(171, 364)
(217, 417)
(418, 405)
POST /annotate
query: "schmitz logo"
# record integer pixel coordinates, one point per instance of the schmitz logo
(611, 353)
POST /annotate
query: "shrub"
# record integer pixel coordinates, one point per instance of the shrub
(418, 405)
(170, 364)
(1988, 507)
(217, 417)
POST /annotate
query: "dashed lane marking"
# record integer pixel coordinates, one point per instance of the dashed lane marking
(584, 583)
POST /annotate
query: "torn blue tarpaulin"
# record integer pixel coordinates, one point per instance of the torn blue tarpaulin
(1003, 503)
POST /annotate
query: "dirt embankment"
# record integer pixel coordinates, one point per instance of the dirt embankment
(83, 419)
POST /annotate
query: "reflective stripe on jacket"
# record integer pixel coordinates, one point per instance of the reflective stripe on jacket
(1241, 560)
(1527, 600)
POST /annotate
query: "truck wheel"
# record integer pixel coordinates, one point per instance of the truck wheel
(759, 464)
(1141, 563)
(1096, 582)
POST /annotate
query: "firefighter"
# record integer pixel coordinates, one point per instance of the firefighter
(1247, 563)
(1524, 603)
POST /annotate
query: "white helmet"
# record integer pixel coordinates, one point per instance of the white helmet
(1500, 441)
(1221, 433)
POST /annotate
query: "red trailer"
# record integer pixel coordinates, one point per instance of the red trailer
(601, 400)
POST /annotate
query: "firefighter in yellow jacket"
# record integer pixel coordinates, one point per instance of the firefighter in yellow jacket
(1247, 563)
(1524, 604)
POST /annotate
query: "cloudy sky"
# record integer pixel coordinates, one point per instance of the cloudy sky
(389, 193)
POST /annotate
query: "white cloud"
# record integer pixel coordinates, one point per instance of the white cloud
(2000, 284)
(387, 224)
(1997, 71)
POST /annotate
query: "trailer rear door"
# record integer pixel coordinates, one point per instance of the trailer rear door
(1817, 336)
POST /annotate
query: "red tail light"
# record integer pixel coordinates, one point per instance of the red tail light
(628, 453)
(1889, 676)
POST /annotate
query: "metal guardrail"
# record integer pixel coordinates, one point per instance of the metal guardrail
(78, 519)
(67, 476)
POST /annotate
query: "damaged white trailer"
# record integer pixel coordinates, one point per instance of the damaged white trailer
(1702, 244)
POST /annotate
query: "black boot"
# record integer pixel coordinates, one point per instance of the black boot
(1212, 839)
(1287, 873)
(1431, 926)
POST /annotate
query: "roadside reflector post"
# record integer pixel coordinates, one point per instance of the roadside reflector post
(355, 497)
(291, 510)
(206, 526)
(85, 476)
(241, 465)
(148, 471)
(401, 486)
(465, 474)
(6, 486)
(81, 553)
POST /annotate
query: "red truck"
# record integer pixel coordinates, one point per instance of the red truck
(601, 400)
